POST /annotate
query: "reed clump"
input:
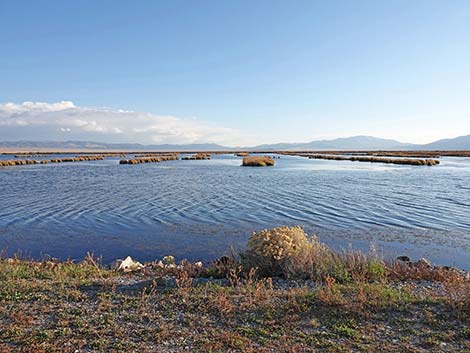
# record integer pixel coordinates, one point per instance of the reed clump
(77, 159)
(27, 155)
(198, 156)
(10, 163)
(242, 154)
(403, 161)
(289, 252)
(158, 159)
(258, 161)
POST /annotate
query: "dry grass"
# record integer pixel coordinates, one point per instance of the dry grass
(332, 302)
(291, 253)
(15, 162)
(198, 156)
(257, 161)
(77, 159)
(158, 159)
(404, 161)
(404, 154)
(50, 306)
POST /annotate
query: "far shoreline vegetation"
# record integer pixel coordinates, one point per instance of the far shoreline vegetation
(250, 158)
(287, 292)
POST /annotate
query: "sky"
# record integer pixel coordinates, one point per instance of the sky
(234, 72)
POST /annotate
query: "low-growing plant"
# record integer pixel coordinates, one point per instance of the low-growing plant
(271, 250)
(290, 252)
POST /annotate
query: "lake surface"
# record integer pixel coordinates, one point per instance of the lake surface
(199, 209)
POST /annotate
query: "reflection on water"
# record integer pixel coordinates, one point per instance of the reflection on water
(197, 209)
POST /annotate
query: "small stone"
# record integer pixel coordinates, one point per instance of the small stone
(403, 258)
(423, 262)
(198, 264)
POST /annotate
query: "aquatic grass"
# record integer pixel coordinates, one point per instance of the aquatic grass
(242, 154)
(258, 161)
(149, 159)
(198, 156)
(404, 161)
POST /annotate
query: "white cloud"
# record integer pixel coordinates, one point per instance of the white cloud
(111, 124)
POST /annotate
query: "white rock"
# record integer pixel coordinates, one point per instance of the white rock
(129, 265)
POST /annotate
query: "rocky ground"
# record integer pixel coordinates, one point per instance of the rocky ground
(161, 307)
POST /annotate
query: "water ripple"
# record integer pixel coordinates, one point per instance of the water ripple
(149, 200)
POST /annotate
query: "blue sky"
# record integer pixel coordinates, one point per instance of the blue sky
(234, 72)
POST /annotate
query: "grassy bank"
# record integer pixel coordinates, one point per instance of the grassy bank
(287, 293)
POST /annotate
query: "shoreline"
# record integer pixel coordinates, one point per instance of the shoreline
(435, 245)
(164, 305)
(306, 153)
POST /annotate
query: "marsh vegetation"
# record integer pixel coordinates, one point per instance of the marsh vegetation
(197, 156)
(287, 293)
(403, 161)
(258, 161)
(139, 160)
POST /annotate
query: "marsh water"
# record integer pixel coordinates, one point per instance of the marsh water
(201, 209)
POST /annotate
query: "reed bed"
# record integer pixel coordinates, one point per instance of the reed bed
(242, 154)
(10, 163)
(198, 156)
(77, 159)
(149, 159)
(420, 154)
(27, 155)
(404, 154)
(143, 155)
(415, 154)
(17, 162)
(258, 161)
(403, 161)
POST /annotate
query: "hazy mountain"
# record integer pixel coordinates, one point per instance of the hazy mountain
(89, 145)
(348, 143)
(458, 143)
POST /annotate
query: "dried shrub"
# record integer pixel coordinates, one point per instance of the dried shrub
(291, 253)
(271, 250)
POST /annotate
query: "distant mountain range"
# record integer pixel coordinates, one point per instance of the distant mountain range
(348, 143)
